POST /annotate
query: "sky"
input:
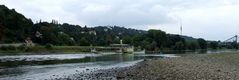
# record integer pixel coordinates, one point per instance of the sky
(209, 19)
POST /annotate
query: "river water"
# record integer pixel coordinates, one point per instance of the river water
(44, 67)
(41, 67)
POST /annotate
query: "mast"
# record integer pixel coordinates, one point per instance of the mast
(181, 27)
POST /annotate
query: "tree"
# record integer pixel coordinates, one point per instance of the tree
(16, 26)
(49, 33)
(193, 46)
(179, 46)
(152, 46)
(1, 32)
(158, 36)
(202, 43)
(137, 41)
(145, 44)
(213, 45)
(127, 40)
(109, 39)
(173, 39)
(84, 42)
(65, 39)
(234, 45)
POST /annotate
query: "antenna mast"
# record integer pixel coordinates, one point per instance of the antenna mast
(181, 27)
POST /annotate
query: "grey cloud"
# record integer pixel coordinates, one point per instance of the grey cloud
(136, 13)
(110, 12)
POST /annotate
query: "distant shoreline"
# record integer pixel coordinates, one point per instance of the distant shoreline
(42, 49)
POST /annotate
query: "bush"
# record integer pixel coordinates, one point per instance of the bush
(4, 48)
(34, 49)
(22, 48)
(8, 48)
(49, 46)
(12, 48)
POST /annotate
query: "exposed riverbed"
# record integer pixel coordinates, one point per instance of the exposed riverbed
(72, 66)
(222, 66)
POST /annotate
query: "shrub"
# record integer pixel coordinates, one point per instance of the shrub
(8, 48)
(49, 46)
(4, 48)
(22, 48)
(12, 48)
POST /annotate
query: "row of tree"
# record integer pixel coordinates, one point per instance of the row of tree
(14, 28)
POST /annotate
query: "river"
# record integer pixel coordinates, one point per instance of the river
(44, 67)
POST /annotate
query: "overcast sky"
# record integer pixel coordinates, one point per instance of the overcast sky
(209, 19)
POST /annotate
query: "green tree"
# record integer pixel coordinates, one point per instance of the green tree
(1, 32)
(234, 45)
(65, 39)
(193, 46)
(84, 42)
(138, 40)
(109, 39)
(145, 44)
(213, 45)
(202, 43)
(127, 40)
(49, 34)
(152, 46)
(158, 36)
(16, 26)
(179, 46)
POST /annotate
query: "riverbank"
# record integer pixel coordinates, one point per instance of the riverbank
(223, 66)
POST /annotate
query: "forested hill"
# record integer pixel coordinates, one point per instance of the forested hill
(66, 34)
(14, 28)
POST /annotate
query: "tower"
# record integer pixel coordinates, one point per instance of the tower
(181, 30)
(181, 27)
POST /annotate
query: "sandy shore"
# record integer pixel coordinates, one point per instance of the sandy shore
(223, 66)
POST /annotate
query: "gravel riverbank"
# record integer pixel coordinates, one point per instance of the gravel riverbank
(190, 67)
(224, 66)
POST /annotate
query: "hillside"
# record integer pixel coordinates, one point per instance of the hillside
(67, 34)
(14, 27)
